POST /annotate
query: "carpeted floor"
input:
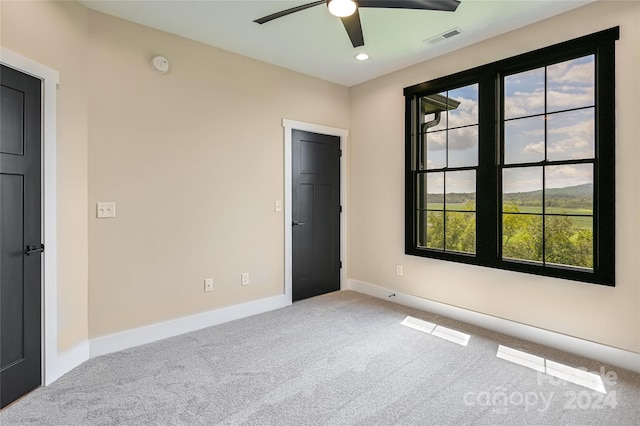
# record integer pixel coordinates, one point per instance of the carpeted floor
(338, 359)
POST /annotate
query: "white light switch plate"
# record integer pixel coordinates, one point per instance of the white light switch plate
(208, 284)
(106, 209)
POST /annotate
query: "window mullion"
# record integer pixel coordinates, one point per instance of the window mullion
(487, 188)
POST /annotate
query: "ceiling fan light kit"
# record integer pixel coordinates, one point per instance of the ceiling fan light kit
(341, 8)
(347, 10)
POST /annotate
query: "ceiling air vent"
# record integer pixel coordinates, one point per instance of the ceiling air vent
(443, 36)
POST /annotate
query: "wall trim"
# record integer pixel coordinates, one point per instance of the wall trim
(592, 350)
(343, 134)
(154, 332)
(67, 361)
(53, 363)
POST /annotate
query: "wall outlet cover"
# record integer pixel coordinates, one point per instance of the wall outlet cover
(208, 284)
(105, 209)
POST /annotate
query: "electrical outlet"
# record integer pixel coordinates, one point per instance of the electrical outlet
(278, 205)
(245, 278)
(106, 210)
(208, 284)
(399, 270)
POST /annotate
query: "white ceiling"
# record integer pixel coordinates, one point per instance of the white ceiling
(314, 42)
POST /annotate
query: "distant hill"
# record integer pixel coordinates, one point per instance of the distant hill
(583, 190)
(579, 196)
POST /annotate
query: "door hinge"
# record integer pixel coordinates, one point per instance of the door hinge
(341, 264)
(340, 153)
(340, 209)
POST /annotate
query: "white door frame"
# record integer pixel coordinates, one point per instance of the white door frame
(343, 134)
(50, 79)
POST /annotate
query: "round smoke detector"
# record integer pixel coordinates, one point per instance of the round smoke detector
(160, 64)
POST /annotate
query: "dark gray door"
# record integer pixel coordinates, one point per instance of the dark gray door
(315, 213)
(20, 235)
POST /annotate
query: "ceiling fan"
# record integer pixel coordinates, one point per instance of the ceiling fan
(347, 10)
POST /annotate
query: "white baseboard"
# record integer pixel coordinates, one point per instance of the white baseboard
(151, 333)
(66, 361)
(596, 351)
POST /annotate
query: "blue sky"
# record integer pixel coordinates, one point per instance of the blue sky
(569, 134)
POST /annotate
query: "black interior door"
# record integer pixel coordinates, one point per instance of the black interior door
(20, 235)
(315, 213)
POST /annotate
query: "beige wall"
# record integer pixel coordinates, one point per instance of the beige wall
(194, 161)
(592, 312)
(55, 34)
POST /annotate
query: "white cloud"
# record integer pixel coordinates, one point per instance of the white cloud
(522, 179)
(569, 175)
(437, 141)
(572, 140)
(461, 182)
(572, 72)
(530, 178)
(435, 183)
(465, 114)
(570, 98)
(570, 85)
(537, 147)
(463, 138)
(459, 139)
(524, 103)
(568, 171)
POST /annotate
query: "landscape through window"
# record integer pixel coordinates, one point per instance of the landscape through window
(547, 176)
(447, 182)
(511, 165)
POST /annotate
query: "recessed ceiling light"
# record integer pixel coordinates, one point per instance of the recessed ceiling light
(361, 56)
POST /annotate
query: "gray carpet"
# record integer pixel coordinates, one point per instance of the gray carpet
(337, 359)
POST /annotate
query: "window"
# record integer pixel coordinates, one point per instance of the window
(511, 165)
(446, 180)
(547, 168)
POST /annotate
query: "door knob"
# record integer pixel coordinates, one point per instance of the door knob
(34, 249)
(297, 223)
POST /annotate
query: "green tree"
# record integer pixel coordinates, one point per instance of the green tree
(460, 229)
(521, 234)
(435, 230)
(566, 244)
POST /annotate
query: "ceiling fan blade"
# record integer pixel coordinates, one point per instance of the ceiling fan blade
(286, 12)
(443, 5)
(354, 29)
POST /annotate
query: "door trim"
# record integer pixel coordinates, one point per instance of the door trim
(343, 134)
(50, 79)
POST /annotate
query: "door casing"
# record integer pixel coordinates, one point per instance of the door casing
(343, 134)
(50, 360)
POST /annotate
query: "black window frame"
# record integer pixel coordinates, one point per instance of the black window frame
(489, 169)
